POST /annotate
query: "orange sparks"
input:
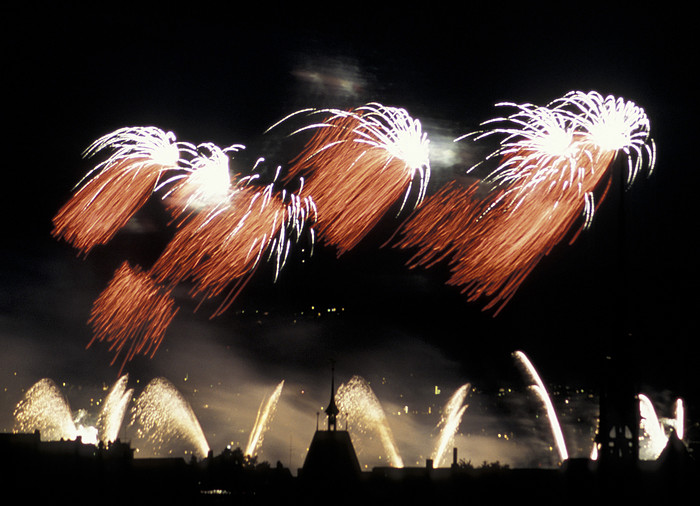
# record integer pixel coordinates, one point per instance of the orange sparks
(494, 243)
(504, 245)
(554, 163)
(357, 165)
(132, 314)
(122, 185)
(224, 244)
(437, 228)
(106, 203)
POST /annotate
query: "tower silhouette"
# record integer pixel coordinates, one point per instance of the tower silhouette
(618, 429)
(332, 410)
(331, 458)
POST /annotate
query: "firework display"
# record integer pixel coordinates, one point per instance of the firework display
(132, 314)
(554, 165)
(224, 225)
(357, 165)
(552, 168)
(223, 245)
(121, 186)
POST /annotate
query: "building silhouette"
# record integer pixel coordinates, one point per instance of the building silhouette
(331, 464)
(108, 474)
(618, 427)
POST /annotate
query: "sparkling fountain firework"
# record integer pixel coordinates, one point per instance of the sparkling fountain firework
(679, 420)
(111, 417)
(554, 165)
(262, 421)
(45, 408)
(118, 187)
(357, 165)
(365, 414)
(449, 422)
(163, 416)
(652, 434)
(541, 392)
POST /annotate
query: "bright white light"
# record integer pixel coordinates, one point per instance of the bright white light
(541, 392)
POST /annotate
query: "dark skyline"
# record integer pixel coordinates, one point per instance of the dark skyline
(225, 77)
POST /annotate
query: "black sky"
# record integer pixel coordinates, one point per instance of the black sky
(226, 75)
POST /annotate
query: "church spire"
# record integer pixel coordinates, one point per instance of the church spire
(332, 410)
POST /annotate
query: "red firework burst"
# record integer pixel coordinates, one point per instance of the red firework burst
(121, 186)
(356, 166)
(553, 164)
(132, 314)
(224, 244)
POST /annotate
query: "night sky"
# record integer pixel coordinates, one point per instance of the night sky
(626, 286)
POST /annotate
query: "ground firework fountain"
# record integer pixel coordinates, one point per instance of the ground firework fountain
(163, 416)
(541, 391)
(449, 422)
(112, 415)
(366, 415)
(263, 419)
(46, 409)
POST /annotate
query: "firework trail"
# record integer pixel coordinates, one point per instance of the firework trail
(222, 245)
(541, 392)
(117, 187)
(357, 165)
(265, 413)
(132, 314)
(679, 420)
(554, 164)
(112, 414)
(449, 422)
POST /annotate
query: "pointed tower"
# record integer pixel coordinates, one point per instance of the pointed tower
(332, 410)
(331, 458)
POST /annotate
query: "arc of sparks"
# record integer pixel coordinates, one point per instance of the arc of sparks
(357, 164)
(541, 392)
(115, 189)
(222, 245)
(554, 168)
(262, 420)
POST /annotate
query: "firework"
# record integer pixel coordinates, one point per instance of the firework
(449, 422)
(554, 166)
(358, 402)
(262, 421)
(204, 182)
(223, 244)
(162, 416)
(118, 187)
(132, 314)
(44, 408)
(357, 165)
(541, 391)
(112, 414)
(614, 125)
